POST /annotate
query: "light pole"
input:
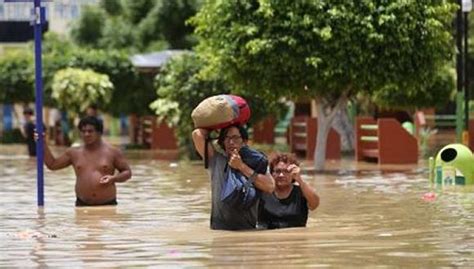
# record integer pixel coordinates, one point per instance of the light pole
(466, 8)
(459, 72)
(462, 134)
(38, 22)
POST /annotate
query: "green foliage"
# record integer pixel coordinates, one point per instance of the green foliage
(16, 77)
(167, 21)
(88, 30)
(111, 7)
(56, 45)
(136, 25)
(13, 136)
(118, 33)
(324, 48)
(56, 55)
(131, 93)
(435, 94)
(136, 10)
(76, 89)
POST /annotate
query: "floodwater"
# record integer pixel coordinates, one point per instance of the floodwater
(367, 218)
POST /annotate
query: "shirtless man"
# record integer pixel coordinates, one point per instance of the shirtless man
(94, 163)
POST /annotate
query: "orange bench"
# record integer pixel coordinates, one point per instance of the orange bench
(385, 140)
(264, 131)
(302, 138)
(158, 135)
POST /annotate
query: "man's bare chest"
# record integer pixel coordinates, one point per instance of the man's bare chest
(101, 162)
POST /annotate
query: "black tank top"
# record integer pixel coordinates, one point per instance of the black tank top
(283, 213)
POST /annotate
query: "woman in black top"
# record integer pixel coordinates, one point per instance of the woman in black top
(288, 205)
(29, 131)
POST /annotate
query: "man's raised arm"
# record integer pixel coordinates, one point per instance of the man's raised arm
(56, 163)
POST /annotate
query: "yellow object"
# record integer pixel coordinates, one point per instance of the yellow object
(454, 164)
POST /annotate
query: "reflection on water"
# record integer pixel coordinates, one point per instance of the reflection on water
(366, 218)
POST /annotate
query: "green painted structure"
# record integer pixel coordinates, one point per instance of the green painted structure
(453, 165)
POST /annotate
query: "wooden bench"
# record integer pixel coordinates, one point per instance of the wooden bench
(157, 135)
(384, 140)
(302, 138)
(264, 131)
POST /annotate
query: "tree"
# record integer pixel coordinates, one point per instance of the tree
(88, 30)
(76, 89)
(136, 10)
(136, 25)
(132, 92)
(167, 20)
(111, 7)
(118, 34)
(328, 50)
(16, 77)
(435, 93)
(57, 52)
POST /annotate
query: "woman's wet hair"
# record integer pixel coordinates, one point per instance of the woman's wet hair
(223, 133)
(91, 120)
(277, 157)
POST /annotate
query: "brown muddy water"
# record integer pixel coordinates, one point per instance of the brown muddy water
(367, 218)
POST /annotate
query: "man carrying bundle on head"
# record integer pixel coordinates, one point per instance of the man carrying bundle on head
(238, 174)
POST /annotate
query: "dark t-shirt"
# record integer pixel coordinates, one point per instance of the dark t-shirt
(223, 216)
(283, 213)
(29, 128)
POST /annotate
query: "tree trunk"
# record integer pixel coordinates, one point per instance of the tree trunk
(326, 113)
(344, 128)
(321, 138)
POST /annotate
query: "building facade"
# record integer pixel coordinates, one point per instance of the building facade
(15, 19)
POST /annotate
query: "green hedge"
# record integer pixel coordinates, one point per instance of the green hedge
(11, 137)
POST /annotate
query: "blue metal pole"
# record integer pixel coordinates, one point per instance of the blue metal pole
(39, 102)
